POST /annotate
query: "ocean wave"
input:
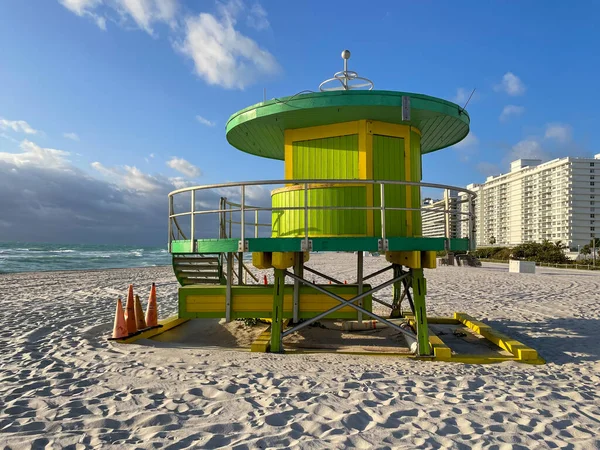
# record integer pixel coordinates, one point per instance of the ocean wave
(61, 251)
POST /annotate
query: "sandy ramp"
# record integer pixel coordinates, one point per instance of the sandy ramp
(62, 384)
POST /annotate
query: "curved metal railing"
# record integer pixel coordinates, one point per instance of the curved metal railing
(227, 207)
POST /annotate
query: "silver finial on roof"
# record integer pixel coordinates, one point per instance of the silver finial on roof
(345, 77)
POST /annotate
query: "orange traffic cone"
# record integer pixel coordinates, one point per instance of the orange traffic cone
(265, 280)
(130, 316)
(140, 323)
(119, 328)
(152, 311)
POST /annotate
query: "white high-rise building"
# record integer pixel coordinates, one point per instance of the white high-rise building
(534, 201)
(435, 223)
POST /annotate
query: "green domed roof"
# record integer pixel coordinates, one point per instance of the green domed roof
(259, 129)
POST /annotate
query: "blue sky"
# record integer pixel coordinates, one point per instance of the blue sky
(110, 92)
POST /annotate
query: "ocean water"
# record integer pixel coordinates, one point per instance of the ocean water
(30, 257)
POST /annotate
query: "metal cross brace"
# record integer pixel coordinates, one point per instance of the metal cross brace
(344, 302)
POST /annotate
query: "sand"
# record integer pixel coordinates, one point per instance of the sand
(63, 385)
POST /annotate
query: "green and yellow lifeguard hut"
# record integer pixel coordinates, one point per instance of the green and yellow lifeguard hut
(352, 183)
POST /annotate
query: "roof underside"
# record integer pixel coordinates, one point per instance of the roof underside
(259, 129)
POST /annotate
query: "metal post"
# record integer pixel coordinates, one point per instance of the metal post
(192, 222)
(230, 222)
(240, 268)
(221, 218)
(345, 79)
(256, 223)
(242, 244)
(359, 280)
(382, 206)
(277, 317)
(419, 292)
(228, 289)
(306, 217)
(446, 214)
(298, 271)
(170, 222)
(472, 244)
(397, 293)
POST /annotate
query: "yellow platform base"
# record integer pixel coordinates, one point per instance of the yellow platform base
(165, 325)
(440, 351)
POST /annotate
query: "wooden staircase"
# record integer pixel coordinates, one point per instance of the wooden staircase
(198, 269)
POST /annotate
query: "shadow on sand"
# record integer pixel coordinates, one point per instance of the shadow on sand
(559, 340)
(208, 333)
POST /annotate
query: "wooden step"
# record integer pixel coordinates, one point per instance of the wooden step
(198, 274)
(179, 259)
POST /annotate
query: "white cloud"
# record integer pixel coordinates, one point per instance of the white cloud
(18, 126)
(467, 148)
(9, 138)
(487, 168)
(511, 84)
(145, 13)
(183, 166)
(462, 95)
(470, 141)
(133, 178)
(80, 7)
(85, 8)
(529, 148)
(560, 132)
(101, 22)
(151, 155)
(257, 17)
(222, 55)
(72, 136)
(204, 121)
(34, 155)
(511, 110)
(39, 185)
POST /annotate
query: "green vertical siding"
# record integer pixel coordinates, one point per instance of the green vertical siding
(321, 222)
(388, 164)
(328, 158)
(416, 175)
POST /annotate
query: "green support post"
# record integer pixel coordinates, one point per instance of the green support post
(396, 292)
(419, 288)
(277, 318)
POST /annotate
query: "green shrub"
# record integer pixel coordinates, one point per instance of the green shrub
(546, 252)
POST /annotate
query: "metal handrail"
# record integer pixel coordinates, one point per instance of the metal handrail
(230, 221)
(306, 184)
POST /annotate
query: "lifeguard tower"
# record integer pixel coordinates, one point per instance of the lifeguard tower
(352, 183)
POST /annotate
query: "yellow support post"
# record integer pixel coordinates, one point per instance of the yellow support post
(410, 259)
(262, 260)
(428, 260)
(277, 325)
(419, 291)
(282, 260)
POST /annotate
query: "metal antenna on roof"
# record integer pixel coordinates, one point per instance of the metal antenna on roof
(345, 77)
(468, 100)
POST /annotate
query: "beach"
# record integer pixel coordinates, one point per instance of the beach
(62, 384)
